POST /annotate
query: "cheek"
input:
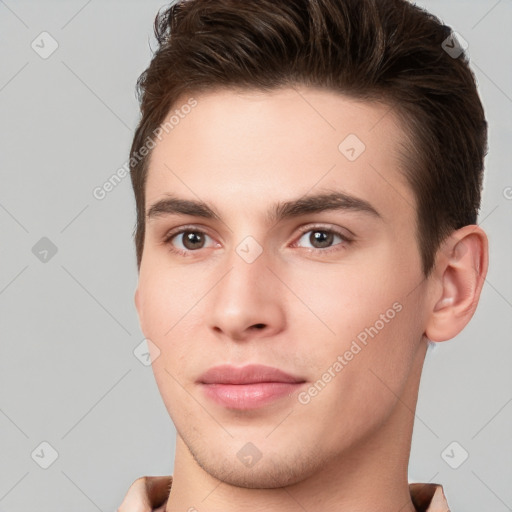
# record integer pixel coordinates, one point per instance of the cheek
(371, 366)
(370, 318)
(166, 311)
(167, 296)
(164, 321)
(346, 299)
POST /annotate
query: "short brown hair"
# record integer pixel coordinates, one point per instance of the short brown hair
(384, 50)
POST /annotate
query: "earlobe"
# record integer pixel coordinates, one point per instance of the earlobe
(461, 269)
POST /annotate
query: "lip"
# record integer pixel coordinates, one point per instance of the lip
(247, 387)
(249, 374)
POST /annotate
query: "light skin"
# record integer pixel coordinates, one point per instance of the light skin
(242, 153)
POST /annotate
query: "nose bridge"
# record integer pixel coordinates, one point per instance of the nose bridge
(247, 294)
(246, 260)
(247, 273)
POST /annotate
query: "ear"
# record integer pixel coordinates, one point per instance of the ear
(458, 278)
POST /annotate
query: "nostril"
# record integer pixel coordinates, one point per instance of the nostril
(259, 326)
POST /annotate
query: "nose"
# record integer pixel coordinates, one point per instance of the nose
(247, 302)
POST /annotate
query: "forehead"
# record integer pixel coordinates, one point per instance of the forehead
(247, 148)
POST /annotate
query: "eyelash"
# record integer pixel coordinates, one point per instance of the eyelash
(191, 229)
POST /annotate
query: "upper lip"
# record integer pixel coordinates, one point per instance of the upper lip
(250, 374)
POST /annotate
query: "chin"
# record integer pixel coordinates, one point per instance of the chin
(267, 473)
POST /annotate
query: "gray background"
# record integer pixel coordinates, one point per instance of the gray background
(68, 374)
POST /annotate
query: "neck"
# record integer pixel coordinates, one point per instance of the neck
(371, 476)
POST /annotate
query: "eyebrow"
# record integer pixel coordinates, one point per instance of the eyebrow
(329, 201)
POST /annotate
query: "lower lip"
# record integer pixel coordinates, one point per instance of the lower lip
(249, 396)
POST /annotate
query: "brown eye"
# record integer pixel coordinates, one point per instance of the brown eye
(321, 239)
(186, 241)
(193, 240)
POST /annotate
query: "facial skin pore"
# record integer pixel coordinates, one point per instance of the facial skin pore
(300, 305)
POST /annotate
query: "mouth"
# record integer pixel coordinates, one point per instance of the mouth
(247, 387)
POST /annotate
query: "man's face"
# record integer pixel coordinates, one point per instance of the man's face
(333, 297)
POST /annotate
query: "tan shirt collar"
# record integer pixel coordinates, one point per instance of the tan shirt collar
(425, 497)
(428, 497)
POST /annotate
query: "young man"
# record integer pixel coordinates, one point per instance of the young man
(307, 177)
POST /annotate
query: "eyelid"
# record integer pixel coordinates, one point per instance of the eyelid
(169, 235)
(349, 236)
(180, 229)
